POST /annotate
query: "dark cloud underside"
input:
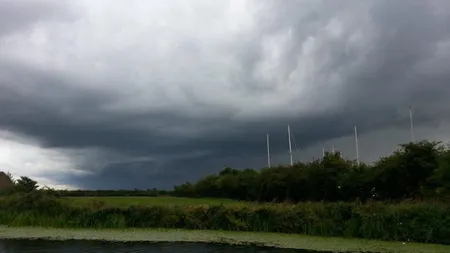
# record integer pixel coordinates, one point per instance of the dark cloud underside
(344, 64)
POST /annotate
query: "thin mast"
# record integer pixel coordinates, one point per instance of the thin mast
(357, 147)
(333, 149)
(411, 123)
(268, 151)
(323, 152)
(290, 145)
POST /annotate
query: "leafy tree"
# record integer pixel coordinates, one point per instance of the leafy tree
(440, 180)
(185, 190)
(26, 184)
(208, 187)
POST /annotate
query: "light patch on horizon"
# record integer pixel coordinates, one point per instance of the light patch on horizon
(22, 157)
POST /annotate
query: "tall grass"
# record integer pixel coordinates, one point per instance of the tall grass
(148, 201)
(421, 222)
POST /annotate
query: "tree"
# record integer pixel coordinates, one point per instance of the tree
(440, 180)
(26, 184)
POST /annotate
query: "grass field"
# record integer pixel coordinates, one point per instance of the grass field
(148, 201)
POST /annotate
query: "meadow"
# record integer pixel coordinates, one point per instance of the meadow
(150, 201)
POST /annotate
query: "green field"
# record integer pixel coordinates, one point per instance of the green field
(149, 201)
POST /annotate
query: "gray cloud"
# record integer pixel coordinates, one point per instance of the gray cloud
(19, 15)
(168, 98)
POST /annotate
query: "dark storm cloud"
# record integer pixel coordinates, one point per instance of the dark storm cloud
(369, 61)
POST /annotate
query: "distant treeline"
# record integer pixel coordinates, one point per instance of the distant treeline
(113, 193)
(414, 171)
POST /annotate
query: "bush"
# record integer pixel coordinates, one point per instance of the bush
(35, 201)
(420, 222)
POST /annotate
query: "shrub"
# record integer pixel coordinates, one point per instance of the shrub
(421, 222)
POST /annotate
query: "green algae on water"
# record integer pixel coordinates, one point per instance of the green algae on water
(278, 240)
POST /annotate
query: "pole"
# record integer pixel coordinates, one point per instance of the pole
(357, 147)
(332, 149)
(268, 151)
(323, 152)
(290, 145)
(411, 123)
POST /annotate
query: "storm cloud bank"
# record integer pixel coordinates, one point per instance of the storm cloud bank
(149, 94)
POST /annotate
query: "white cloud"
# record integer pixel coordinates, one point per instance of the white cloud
(22, 157)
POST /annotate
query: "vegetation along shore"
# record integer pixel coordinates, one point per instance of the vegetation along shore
(291, 241)
(400, 198)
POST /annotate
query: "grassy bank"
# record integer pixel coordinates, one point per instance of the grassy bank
(239, 238)
(419, 222)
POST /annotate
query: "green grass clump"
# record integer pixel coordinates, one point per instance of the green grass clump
(419, 222)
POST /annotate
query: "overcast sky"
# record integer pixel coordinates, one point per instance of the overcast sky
(149, 93)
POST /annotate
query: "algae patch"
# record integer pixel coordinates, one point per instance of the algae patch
(278, 240)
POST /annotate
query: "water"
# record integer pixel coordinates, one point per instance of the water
(76, 246)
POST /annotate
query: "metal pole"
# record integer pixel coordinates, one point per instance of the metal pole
(268, 151)
(357, 147)
(290, 145)
(411, 123)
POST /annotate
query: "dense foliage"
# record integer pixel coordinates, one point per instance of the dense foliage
(421, 222)
(415, 170)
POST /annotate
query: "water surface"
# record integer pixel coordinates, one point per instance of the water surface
(78, 246)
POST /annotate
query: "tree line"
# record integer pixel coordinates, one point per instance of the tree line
(10, 186)
(414, 171)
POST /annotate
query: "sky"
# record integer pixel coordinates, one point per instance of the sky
(150, 93)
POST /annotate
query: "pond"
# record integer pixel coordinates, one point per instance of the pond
(78, 246)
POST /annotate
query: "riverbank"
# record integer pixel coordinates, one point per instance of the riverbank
(202, 236)
(415, 222)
